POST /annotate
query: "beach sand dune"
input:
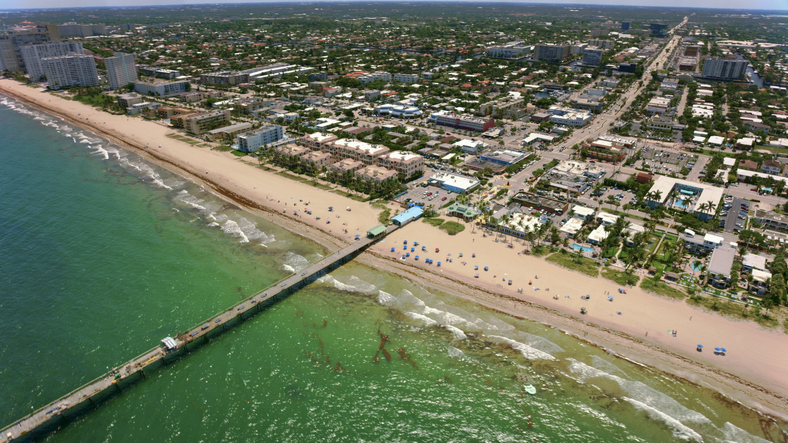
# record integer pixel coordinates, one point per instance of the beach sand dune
(753, 372)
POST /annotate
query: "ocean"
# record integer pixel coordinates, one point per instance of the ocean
(104, 254)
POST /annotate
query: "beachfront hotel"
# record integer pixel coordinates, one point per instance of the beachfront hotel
(70, 70)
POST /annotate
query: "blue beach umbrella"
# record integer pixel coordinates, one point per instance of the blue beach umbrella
(700, 346)
(717, 349)
(723, 350)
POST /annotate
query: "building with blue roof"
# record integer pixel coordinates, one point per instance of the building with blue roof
(407, 216)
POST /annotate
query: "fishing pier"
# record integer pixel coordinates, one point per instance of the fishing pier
(63, 410)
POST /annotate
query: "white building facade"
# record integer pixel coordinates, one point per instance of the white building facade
(121, 70)
(70, 70)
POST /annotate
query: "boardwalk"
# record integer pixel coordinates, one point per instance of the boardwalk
(62, 410)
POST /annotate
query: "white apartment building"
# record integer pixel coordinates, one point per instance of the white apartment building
(70, 70)
(33, 54)
(162, 88)
(253, 140)
(374, 76)
(405, 78)
(724, 69)
(573, 118)
(318, 140)
(121, 70)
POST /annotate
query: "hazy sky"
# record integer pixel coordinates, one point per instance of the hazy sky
(734, 4)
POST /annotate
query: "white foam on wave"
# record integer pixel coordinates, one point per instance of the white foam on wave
(251, 231)
(456, 332)
(527, 351)
(354, 284)
(184, 197)
(294, 262)
(384, 297)
(665, 405)
(599, 415)
(454, 352)
(145, 171)
(422, 318)
(98, 149)
(734, 434)
(232, 228)
(680, 430)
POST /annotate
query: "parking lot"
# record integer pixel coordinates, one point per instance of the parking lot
(427, 195)
(735, 217)
(664, 162)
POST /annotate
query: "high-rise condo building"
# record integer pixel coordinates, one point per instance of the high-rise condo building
(32, 55)
(70, 70)
(121, 70)
(724, 69)
(13, 40)
(552, 53)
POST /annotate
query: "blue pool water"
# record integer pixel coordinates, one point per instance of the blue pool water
(696, 266)
(680, 203)
(583, 248)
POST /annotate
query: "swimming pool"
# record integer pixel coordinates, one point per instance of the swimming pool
(696, 266)
(583, 248)
(680, 203)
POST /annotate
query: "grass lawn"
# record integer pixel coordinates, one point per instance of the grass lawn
(620, 277)
(735, 310)
(434, 221)
(452, 227)
(610, 253)
(661, 288)
(239, 153)
(541, 250)
(184, 139)
(575, 262)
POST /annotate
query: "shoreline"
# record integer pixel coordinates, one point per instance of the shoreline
(766, 396)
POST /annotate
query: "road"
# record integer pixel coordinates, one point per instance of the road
(603, 121)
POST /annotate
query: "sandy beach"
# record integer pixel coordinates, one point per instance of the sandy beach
(752, 372)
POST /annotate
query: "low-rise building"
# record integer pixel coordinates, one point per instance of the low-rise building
(603, 150)
(128, 99)
(357, 150)
(376, 173)
(404, 163)
(405, 78)
(583, 212)
(598, 235)
(720, 266)
(463, 121)
(760, 282)
(200, 123)
(701, 245)
(571, 227)
(459, 184)
(161, 88)
(771, 220)
(318, 140)
(228, 133)
(771, 167)
(549, 205)
(658, 105)
(291, 150)
(318, 160)
(374, 76)
(346, 165)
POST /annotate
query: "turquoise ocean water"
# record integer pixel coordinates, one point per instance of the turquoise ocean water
(103, 254)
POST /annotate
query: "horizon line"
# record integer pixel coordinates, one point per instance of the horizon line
(290, 2)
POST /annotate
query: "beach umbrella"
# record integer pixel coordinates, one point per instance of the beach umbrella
(405, 242)
(392, 249)
(723, 350)
(700, 346)
(439, 264)
(717, 349)
(486, 268)
(357, 235)
(417, 257)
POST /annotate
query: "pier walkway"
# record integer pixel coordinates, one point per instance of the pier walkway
(87, 396)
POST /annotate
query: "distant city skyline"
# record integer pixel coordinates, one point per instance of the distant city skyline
(776, 5)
